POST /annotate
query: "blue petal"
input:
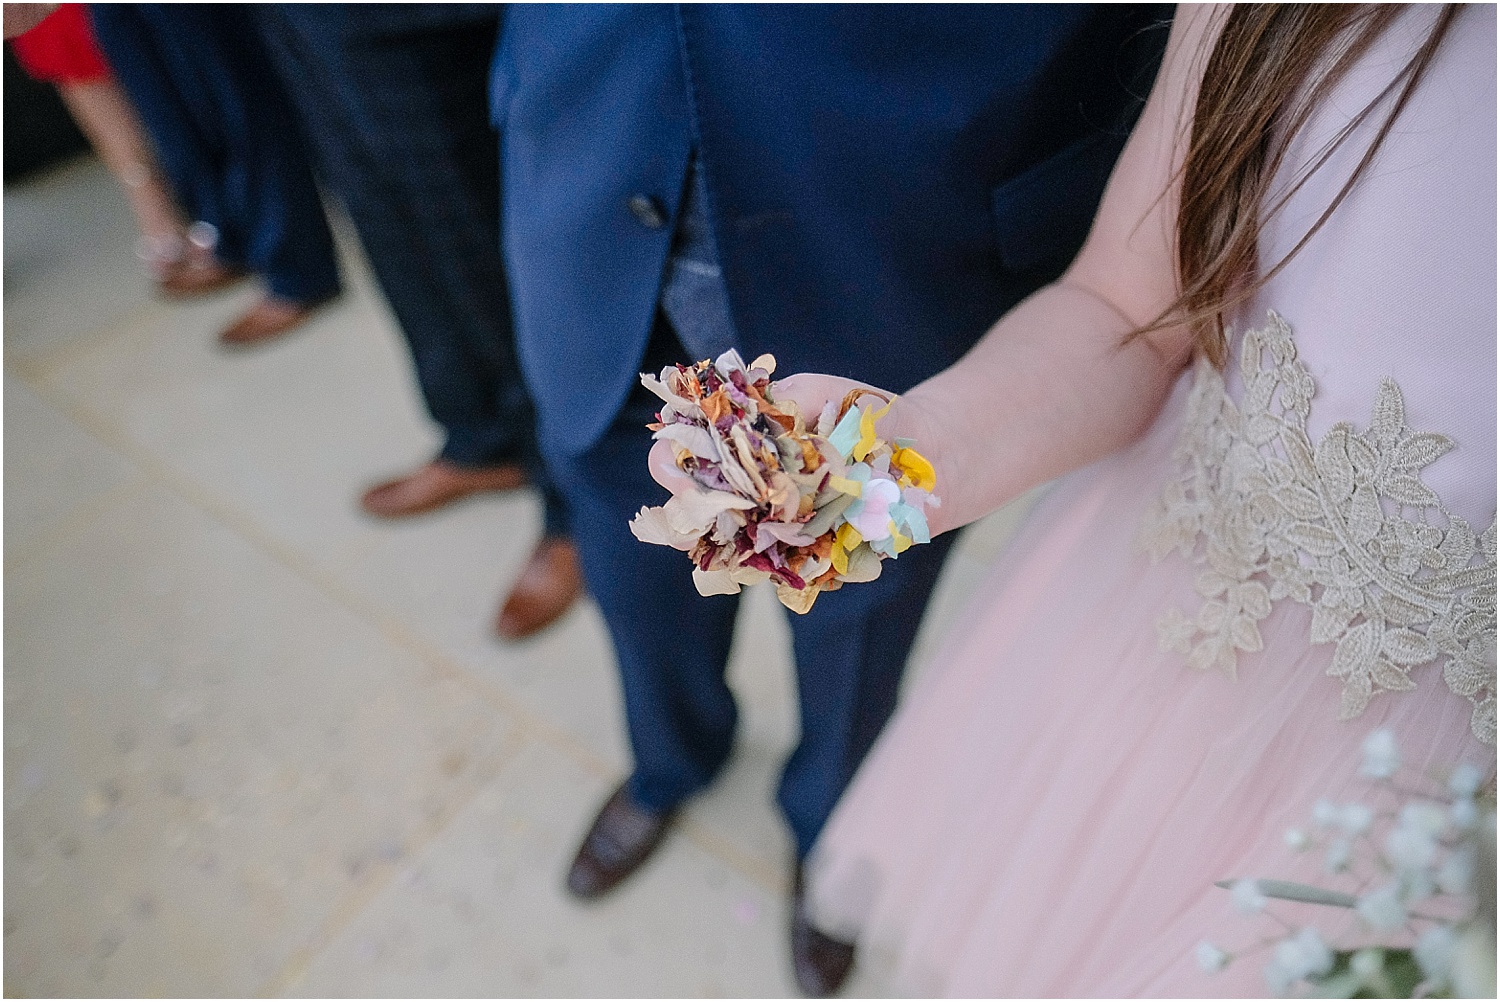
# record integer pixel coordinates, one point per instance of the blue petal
(846, 435)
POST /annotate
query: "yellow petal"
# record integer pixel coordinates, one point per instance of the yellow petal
(839, 557)
(915, 465)
(848, 536)
(844, 485)
(867, 420)
(903, 543)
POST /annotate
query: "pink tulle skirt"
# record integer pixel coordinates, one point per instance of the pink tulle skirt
(1049, 810)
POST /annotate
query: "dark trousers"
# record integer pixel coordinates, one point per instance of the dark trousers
(395, 106)
(673, 644)
(225, 135)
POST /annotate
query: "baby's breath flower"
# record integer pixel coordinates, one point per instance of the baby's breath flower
(1367, 964)
(1337, 857)
(1434, 952)
(1457, 872)
(1247, 897)
(1277, 979)
(1383, 908)
(1465, 780)
(1422, 817)
(1381, 757)
(1301, 956)
(1412, 845)
(1471, 964)
(1355, 818)
(1210, 958)
(1430, 847)
(1325, 813)
(1416, 885)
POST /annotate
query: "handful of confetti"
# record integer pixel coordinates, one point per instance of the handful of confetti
(810, 506)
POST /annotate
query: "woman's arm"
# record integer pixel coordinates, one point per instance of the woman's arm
(22, 17)
(1051, 387)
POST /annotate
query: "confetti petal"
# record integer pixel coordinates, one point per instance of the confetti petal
(845, 436)
(715, 583)
(760, 494)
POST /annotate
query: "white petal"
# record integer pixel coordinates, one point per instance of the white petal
(692, 438)
(729, 362)
(748, 575)
(695, 511)
(651, 525)
(715, 582)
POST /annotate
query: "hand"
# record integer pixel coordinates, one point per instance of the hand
(811, 390)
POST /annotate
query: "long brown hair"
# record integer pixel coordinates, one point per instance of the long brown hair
(1270, 69)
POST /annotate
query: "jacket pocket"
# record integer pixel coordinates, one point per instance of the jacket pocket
(1043, 214)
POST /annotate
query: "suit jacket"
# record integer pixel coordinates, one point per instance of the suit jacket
(385, 20)
(883, 182)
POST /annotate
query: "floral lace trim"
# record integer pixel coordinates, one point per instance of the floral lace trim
(1344, 525)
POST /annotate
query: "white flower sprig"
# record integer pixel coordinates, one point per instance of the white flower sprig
(1429, 869)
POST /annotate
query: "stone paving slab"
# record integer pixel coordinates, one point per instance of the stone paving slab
(484, 913)
(205, 757)
(256, 743)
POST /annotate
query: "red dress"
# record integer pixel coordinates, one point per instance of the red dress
(61, 50)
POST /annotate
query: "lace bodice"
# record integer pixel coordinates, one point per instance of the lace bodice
(1343, 524)
(1353, 471)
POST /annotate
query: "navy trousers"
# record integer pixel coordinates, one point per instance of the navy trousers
(396, 109)
(225, 135)
(673, 644)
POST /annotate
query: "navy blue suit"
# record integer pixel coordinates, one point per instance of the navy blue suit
(225, 135)
(882, 184)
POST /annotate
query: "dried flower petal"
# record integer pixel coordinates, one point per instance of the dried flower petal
(759, 495)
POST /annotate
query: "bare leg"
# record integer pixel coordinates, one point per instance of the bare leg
(180, 256)
(107, 119)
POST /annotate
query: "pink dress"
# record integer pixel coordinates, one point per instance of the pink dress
(1189, 641)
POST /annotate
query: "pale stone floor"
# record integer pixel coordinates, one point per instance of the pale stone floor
(257, 744)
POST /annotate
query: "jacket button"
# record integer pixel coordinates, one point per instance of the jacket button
(648, 211)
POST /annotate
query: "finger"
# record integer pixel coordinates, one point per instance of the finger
(664, 470)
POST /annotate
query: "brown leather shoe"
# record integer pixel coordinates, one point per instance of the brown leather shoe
(820, 962)
(546, 588)
(268, 319)
(622, 838)
(435, 484)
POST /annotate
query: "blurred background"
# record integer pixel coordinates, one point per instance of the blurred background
(259, 743)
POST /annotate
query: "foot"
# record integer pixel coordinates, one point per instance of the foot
(182, 268)
(196, 274)
(622, 838)
(546, 589)
(821, 963)
(268, 319)
(435, 484)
